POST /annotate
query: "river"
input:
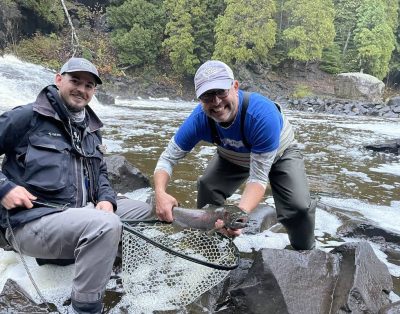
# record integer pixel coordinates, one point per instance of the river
(340, 170)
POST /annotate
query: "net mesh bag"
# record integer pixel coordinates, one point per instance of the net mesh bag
(165, 268)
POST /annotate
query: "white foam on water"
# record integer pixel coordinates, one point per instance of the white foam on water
(54, 282)
(388, 128)
(325, 223)
(393, 297)
(142, 194)
(114, 146)
(387, 186)
(266, 239)
(383, 216)
(389, 168)
(364, 177)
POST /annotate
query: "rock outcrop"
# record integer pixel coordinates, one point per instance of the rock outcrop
(359, 86)
(123, 176)
(350, 279)
(392, 147)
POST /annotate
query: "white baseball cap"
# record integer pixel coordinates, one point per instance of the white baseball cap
(212, 74)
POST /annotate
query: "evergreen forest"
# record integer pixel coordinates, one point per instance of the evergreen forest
(340, 35)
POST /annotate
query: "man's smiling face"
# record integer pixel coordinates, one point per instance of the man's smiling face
(76, 89)
(221, 105)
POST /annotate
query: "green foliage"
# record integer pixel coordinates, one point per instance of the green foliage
(96, 46)
(374, 38)
(301, 91)
(345, 23)
(331, 59)
(392, 12)
(246, 31)
(190, 32)
(187, 33)
(180, 42)
(138, 27)
(203, 16)
(49, 10)
(392, 9)
(45, 50)
(9, 20)
(310, 29)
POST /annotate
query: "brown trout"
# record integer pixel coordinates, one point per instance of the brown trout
(205, 218)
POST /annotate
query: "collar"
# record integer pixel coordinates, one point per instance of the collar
(42, 105)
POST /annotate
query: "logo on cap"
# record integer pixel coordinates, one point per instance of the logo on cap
(208, 72)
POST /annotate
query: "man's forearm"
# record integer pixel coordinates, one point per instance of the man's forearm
(252, 196)
(161, 179)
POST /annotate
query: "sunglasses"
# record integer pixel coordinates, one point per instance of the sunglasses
(210, 96)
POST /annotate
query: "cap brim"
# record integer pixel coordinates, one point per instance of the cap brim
(218, 84)
(96, 78)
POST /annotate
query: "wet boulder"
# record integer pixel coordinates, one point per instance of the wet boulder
(364, 282)
(123, 176)
(105, 98)
(394, 103)
(392, 146)
(285, 281)
(358, 228)
(359, 86)
(14, 299)
(393, 308)
(350, 279)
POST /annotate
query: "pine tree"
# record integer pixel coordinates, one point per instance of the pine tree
(374, 37)
(137, 30)
(310, 29)
(331, 61)
(204, 15)
(345, 24)
(246, 31)
(180, 42)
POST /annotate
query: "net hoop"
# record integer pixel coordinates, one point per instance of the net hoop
(127, 225)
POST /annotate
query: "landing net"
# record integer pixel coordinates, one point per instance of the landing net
(165, 268)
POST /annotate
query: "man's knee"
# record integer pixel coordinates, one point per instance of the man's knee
(297, 208)
(106, 225)
(133, 209)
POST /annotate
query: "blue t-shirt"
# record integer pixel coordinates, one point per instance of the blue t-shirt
(263, 125)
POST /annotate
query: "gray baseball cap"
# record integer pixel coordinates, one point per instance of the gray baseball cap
(81, 65)
(212, 74)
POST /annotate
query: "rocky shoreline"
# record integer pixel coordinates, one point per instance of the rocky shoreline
(348, 107)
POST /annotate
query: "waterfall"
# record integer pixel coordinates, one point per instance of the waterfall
(20, 82)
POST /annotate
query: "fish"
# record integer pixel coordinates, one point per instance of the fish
(205, 218)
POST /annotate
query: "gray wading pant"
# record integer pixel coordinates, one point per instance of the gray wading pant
(89, 235)
(289, 186)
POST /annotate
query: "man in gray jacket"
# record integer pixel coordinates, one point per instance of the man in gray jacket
(56, 199)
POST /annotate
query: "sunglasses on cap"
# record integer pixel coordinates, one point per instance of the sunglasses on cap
(210, 96)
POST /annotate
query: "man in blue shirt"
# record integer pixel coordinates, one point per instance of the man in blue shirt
(255, 145)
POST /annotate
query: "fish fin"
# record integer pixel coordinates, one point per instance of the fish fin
(211, 232)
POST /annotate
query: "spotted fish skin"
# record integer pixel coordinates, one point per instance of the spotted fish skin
(205, 218)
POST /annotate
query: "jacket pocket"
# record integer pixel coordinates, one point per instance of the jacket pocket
(46, 163)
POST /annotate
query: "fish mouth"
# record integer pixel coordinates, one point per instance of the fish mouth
(239, 223)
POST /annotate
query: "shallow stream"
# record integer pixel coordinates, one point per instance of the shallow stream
(340, 170)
